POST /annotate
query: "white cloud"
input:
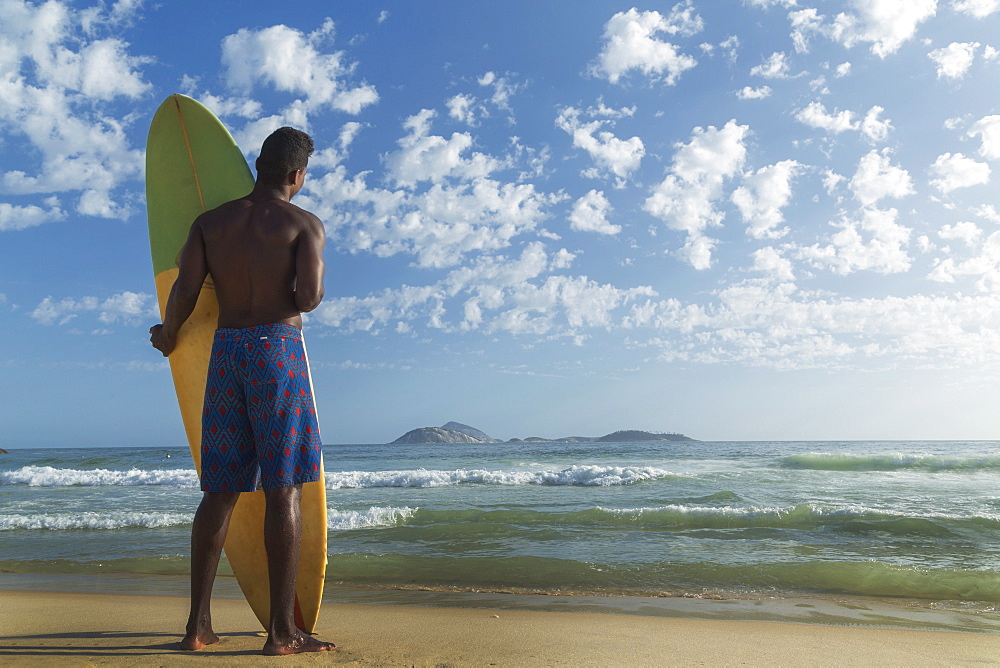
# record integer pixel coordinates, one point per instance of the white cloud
(877, 178)
(22, 217)
(129, 307)
(619, 156)
(988, 130)
(630, 43)
(59, 80)
(985, 266)
(977, 8)
(874, 129)
(954, 60)
(492, 294)
(447, 201)
(885, 24)
(875, 242)
(815, 115)
(774, 66)
(590, 214)
(748, 93)
(684, 200)
(769, 261)
(767, 4)
(842, 70)
(762, 196)
(461, 108)
(293, 62)
(773, 324)
(426, 157)
(968, 233)
(954, 170)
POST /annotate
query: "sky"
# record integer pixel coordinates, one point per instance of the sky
(734, 219)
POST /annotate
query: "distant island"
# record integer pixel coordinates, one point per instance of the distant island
(456, 432)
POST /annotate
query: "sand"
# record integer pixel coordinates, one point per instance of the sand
(74, 629)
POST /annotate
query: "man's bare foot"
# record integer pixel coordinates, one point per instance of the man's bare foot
(296, 645)
(195, 641)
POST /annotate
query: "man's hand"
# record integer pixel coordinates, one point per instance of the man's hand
(160, 341)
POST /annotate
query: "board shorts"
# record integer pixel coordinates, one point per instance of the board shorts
(259, 426)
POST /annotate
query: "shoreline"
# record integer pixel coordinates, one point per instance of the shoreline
(53, 628)
(827, 609)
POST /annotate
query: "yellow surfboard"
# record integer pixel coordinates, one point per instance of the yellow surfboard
(193, 165)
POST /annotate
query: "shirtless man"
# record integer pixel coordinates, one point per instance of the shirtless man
(265, 257)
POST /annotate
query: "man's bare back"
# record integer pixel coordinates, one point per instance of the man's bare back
(265, 259)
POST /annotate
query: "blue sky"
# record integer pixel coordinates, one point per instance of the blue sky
(750, 220)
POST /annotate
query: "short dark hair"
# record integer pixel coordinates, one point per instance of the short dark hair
(285, 150)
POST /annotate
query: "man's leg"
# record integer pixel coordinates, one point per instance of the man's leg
(283, 542)
(208, 533)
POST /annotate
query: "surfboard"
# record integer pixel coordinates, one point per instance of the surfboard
(193, 165)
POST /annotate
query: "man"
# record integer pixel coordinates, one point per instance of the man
(265, 257)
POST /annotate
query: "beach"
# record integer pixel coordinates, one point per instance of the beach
(698, 553)
(73, 629)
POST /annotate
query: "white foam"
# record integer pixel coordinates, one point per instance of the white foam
(90, 520)
(574, 475)
(47, 476)
(345, 520)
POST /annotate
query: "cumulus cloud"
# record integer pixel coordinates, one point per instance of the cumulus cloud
(968, 233)
(954, 170)
(877, 178)
(631, 42)
(685, 199)
(22, 217)
(621, 157)
(762, 196)
(987, 129)
(447, 201)
(61, 84)
(874, 242)
(977, 8)
(128, 307)
(815, 115)
(954, 60)
(885, 24)
(426, 157)
(769, 323)
(294, 62)
(774, 66)
(984, 266)
(492, 294)
(873, 128)
(748, 93)
(590, 214)
(770, 262)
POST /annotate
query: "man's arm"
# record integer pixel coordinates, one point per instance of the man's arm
(193, 269)
(309, 265)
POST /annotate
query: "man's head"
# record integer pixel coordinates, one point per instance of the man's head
(285, 151)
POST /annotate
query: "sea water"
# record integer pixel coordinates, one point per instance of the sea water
(907, 521)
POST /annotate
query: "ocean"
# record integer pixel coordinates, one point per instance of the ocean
(905, 523)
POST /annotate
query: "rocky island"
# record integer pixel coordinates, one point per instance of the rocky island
(456, 432)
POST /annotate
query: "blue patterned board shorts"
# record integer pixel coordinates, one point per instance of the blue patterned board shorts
(259, 428)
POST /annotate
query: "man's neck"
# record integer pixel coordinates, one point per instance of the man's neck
(266, 192)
